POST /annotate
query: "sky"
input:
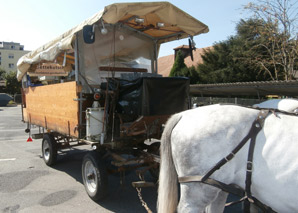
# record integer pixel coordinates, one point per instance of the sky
(35, 22)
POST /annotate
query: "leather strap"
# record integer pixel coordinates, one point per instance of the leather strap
(231, 188)
(254, 130)
(256, 127)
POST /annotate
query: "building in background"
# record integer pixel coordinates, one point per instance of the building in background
(10, 52)
(165, 63)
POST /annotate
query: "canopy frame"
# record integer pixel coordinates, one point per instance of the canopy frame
(123, 14)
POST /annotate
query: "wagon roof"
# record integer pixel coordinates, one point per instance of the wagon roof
(177, 25)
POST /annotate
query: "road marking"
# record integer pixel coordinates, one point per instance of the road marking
(12, 129)
(8, 159)
(10, 140)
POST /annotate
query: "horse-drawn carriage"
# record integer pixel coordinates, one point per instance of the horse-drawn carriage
(98, 84)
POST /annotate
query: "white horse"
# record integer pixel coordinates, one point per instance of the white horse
(287, 104)
(195, 140)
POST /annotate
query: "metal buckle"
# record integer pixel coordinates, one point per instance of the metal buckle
(249, 166)
(229, 157)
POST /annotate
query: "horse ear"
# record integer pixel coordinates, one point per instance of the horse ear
(190, 48)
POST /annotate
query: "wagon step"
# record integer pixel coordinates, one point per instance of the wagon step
(37, 136)
(141, 184)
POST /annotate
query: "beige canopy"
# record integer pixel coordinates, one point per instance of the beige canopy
(176, 25)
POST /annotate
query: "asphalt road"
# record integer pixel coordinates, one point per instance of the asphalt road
(28, 185)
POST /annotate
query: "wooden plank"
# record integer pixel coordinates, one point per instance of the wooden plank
(53, 107)
(143, 184)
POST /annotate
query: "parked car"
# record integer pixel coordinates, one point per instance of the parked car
(4, 99)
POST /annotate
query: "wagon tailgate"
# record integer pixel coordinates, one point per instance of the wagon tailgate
(53, 107)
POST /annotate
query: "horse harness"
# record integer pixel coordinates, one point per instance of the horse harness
(245, 195)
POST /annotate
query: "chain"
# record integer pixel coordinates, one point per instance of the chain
(144, 204)
(139, 190)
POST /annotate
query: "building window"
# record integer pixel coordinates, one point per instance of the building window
(11, 65)
(12, 47)
(10, 56)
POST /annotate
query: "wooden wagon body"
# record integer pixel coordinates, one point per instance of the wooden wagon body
(98, 84)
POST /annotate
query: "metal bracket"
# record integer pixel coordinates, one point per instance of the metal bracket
(79, 99)
(262, 116)
(37, 136)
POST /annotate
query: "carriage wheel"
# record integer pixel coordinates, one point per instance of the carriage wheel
(49, 149)
(95, 176)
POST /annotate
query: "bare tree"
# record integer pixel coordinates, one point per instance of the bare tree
(279, 19)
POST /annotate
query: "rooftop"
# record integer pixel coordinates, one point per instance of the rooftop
(256, 88)
(165, 63)
(11, 45)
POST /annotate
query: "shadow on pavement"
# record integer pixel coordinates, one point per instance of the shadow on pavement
(70, 162)
(121, 197)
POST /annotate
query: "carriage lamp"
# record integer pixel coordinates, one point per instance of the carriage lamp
(103, 30)
(139, 20)
(160, 24)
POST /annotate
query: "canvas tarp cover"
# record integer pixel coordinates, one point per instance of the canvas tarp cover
(132, 51)
(178, 24)
(153, 96)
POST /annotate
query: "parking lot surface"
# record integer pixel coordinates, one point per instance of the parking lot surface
(28, 185)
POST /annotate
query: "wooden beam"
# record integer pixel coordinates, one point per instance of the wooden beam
(122, 69)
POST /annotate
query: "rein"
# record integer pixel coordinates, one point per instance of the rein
(246, 195)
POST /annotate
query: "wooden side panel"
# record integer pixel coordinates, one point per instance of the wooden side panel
(53, 107)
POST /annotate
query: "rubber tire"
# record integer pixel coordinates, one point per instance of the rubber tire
(49, 140)
(100, 183)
